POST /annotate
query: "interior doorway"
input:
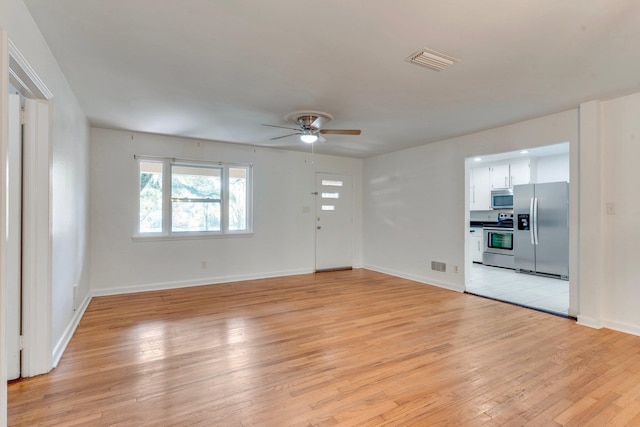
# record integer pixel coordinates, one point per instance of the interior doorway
(26, 253)
(334, 222)
(497, 175)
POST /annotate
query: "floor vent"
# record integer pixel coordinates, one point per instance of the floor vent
(431, 59)
(439, 266)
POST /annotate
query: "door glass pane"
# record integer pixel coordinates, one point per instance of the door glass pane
(330, 195)
(332, 183)
(150, 220)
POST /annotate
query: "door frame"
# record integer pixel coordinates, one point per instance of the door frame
(318, 203)
(4, 142)
(13, 242)
(37, 298)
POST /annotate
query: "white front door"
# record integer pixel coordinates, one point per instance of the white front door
(14, 236)
(334, 222)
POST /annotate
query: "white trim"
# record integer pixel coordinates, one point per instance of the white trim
(590, 322)
(13, 211)
(4, 139)
(190, 161)
(25, 75)
(627, 328)
(421, 279)
(151, 237)
(161, 286)
(36, 276)
(61, 346)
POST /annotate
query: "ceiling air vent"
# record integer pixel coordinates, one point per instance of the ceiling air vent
(431, 59)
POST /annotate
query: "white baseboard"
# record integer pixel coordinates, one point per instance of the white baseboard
(421, 279)
(161, 286)
(627, 328)
(590, 322)
(61, 346)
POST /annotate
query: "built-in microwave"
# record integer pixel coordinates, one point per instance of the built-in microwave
(502, 199)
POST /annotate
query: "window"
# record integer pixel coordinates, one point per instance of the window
(180, 198)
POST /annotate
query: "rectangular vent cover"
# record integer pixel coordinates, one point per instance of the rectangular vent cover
(439, 266)
(431, 59)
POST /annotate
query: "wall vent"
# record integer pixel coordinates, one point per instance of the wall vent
(431, 59)
(439, 266)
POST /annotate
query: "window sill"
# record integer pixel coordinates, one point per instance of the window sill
(191, 236)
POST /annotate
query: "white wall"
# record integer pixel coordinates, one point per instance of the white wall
(416, 200)
(620, 150)
(283, 240)
(69, 174)
(552, 168)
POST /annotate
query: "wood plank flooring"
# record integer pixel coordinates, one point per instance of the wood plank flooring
(347, 348)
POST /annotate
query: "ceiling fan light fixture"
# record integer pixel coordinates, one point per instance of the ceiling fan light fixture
(308, 138)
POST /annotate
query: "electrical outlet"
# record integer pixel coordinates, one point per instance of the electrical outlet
(455, 268)
(611, 208)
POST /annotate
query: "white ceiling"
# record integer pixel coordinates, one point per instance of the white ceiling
(217, 69)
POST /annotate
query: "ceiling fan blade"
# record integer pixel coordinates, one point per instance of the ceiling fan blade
(280, 127)
(321, 138)
(320, 121)
(340, 131)
(284, 136)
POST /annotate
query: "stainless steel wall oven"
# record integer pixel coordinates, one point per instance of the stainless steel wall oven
(498, 247)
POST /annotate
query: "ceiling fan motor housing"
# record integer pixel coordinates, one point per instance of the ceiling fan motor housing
(306, 123)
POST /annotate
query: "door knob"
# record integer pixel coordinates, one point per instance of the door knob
(319, 227)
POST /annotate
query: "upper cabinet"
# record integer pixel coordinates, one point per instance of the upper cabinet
(500, 176)
(480, 189)
(506, 175)
(522, 172)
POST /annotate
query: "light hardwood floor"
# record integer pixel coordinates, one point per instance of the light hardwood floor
(342, 348)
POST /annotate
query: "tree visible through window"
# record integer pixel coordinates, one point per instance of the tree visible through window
(150, 197)
(237, 199)
(202, 199)
(195, 198)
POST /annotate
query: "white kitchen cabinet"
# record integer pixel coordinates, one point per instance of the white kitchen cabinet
(500, 176)
(507, 175)
(520, 172)
(477, 243)
(480, 189)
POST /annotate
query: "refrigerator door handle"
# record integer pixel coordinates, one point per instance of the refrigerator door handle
(531, 221)
(535, 220)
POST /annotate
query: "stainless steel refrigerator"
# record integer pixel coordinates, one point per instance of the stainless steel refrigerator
(541, 228)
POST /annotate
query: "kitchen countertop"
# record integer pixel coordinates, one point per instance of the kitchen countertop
(496, 224)
(483, 223)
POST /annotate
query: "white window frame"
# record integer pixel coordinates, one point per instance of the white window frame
(166, 232)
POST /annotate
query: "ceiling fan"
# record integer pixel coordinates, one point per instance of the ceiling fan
(310, 126)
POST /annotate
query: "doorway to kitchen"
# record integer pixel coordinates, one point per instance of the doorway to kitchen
(506, 222)
(538, 292)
